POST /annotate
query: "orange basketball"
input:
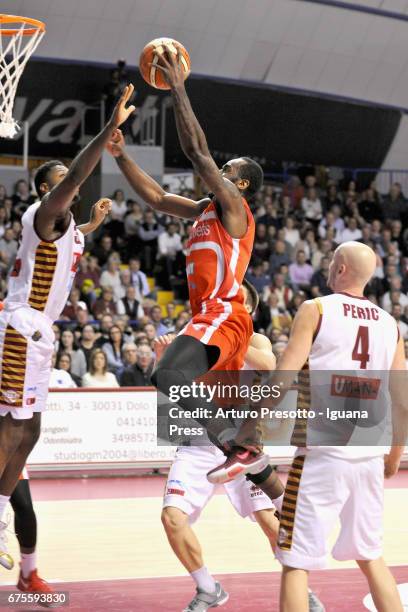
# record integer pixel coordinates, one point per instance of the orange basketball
(149, 62)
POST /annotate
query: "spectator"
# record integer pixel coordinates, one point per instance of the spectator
(258, 278)
(150, 331)
(60, 376)
(290, 233)
(73, 305)
(3, 194)
(261, 243)
(279, 317)
(169, 244)
(396, 312)
(87, 342)
(394, 294)
(318, 282)
(300, 272)
(106, 323)
(111, 276)
(103, 250)
(350, 232)
(133, 219)
(129, 358)
(170, 317)
(369, 206)
(21, 199)
(278, 257)
(296, 302)
(113, 348)
(312, 206)
(139, 279)
(138, 375)
(67, 345)
(98, 375)
(332, 197)
(394, 204)
(125, 282)
(156, 317)
(88, 269)
(115, 227)
(3, 220)
(282, 291)
(8, 250)
(130, 306)
(105, 304)
(149, 231)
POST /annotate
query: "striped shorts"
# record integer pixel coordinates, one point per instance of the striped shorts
(26, 347)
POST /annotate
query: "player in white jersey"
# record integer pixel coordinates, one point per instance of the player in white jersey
(188, 491)
(38, 287)
(343, 331)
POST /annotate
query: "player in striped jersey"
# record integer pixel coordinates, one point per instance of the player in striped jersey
(38, 287)
(342, 333)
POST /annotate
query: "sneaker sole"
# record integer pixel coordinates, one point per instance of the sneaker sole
(224, 475)
(222, 601)
(8, 565)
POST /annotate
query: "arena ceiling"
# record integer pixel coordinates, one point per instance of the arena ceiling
(303, 44)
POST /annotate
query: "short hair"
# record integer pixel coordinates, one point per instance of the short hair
(252, 295)
(42, 172)
(253, 172)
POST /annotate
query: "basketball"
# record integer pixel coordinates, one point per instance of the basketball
(149, 62)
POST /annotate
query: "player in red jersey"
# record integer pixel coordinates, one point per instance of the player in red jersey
(218, 255)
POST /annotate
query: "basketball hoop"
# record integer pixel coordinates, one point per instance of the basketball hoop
(17, 44)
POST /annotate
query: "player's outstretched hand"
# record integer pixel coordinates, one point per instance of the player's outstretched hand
(121, 112)
(170, 64)
(161, 343)
(100, 210)
(116, 145)
(391, 466)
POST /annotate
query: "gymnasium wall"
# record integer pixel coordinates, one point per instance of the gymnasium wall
(239, 119)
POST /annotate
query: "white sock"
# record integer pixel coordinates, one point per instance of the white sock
(278, 502)
(28, 563)
(3, 503)
(203, 579)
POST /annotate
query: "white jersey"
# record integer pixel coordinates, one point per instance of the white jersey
(356, 341)
(353, 334)
(44, 271)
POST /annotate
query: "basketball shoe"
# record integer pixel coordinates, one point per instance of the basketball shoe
(35, 584)
(239, 461)
(203, 600)
(6, 560)
(315, 605)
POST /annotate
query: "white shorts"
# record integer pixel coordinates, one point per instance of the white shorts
(188, 489)
(320, 490)
(26, 347)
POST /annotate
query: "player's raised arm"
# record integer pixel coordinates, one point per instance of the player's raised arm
(57, 202)
(195, 147)
(148, 189)
(99, 211)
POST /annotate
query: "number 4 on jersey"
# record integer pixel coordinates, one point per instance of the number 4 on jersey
(360, 351)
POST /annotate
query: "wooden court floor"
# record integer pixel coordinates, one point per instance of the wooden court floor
(110, 529)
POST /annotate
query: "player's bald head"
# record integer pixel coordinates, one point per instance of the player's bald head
(352, 266)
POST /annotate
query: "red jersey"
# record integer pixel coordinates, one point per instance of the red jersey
(216, 262)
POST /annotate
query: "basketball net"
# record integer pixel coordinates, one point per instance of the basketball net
(15, 51)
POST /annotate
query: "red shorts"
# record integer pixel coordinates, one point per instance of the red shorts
(226, 325)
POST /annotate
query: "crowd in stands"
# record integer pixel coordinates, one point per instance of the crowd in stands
(120, 302)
